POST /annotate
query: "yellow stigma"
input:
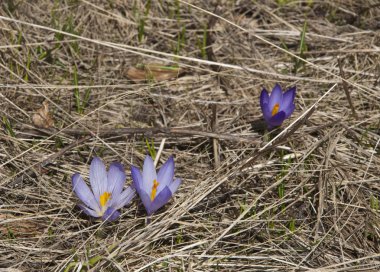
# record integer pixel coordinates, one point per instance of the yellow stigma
(104, 198)
(154, 190)
(275, 108)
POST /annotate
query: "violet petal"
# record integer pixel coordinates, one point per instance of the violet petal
(88, 211)
(145, 198)
(136, 178)
(98, 178)
(264, 97)
(288, 99)
(275, 97)
(84, 193)
(165, 174)
(160, 200)
(277, 119)
(148, 175)
(124, 198)
(266, 112)
(110, 214)
(289, 110)
(116, 180)
(174, 185)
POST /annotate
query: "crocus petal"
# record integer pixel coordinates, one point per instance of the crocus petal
(288, 99)
(88, 211)
(136, 178)
(110, 214)
(289, 110)
(116, 180)
(83, 192)
(166, 174)
(124, 198)
(149, 174)
(277, 119)
(266, 112)
(145, 198)
(98, 177)
(264, 104)
(174, 185)
(160, 200)
(275, 97)
(264, 97)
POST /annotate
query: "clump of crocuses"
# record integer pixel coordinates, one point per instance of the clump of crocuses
(155, 190)
(277, 106)
(107, 195)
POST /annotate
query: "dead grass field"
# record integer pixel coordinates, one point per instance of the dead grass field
(303, 197)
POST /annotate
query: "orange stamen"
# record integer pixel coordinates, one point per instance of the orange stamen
(275, 109)
(154, 190)
(103, 199)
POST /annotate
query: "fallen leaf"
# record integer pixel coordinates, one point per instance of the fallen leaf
(42, 118)
(153, 71)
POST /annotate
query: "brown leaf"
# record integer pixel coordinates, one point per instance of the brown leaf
(153, 71)
(42, 118)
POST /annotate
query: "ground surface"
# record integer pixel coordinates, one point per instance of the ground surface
(301, 197)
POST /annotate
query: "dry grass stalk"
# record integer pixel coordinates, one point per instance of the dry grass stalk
(304, 197)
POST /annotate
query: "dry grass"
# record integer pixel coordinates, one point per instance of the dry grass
(228, 214)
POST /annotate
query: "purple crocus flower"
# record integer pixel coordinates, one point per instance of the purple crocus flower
(107, 195)
(155, 190)
(277, 106)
